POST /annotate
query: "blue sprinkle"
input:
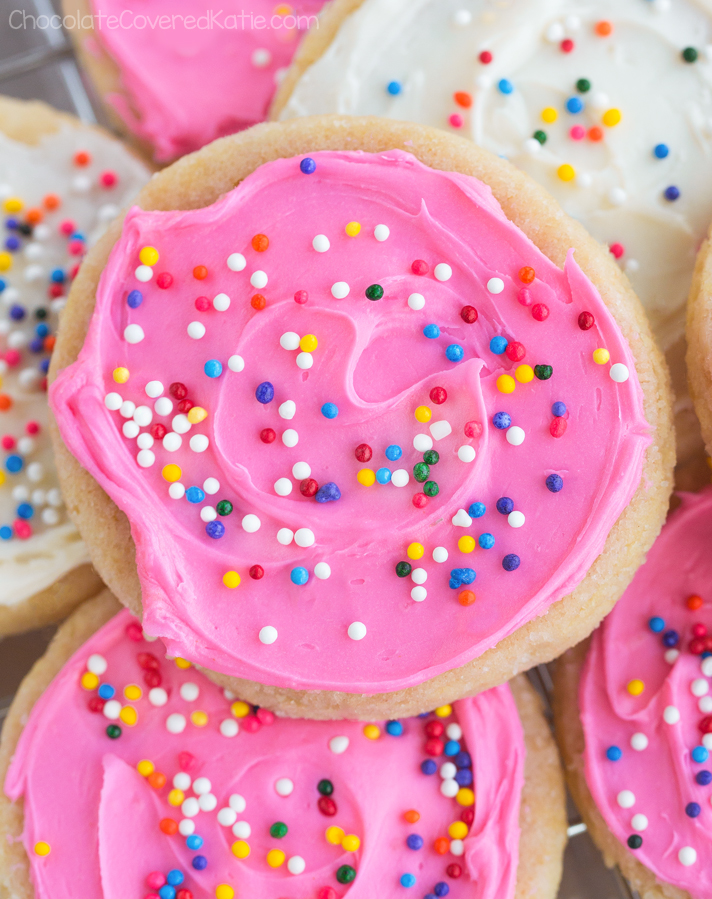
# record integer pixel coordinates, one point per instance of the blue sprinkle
(213, 368)
(672, 193)
(175, 877)
(407, 880)
(464, 777)
(36, 345)
(671, 638)
(656, 624)
(460, 576)
(414, 841)
(692, 809)
(329, 410)
(25, 510)
(558, 410)
(77, 236)
(14, 464)
(106, 691)
(42, 330)
(12, 243)
(57, 276)
(486, 541)
(463, 759)
(11, 224)
(17, 313)
(299, 576)
(455, 352)
(505, 86)
(3, 285)
(215, 529)
(394, 88)
(704, 778)
(502, 420)
(498, 345)
(134, 299)
(505, 505)
(660, 151)
(477, 510)
(44, 366)
(441, 889)
(383, 475)
(574, 105)
(194, 841)
(614, 754)
(452, 747)
(511, 562)
(554, 483)
(5, 532)
(431, 331)
(394, 728)
(194, 495)
(167, 892)
(308, 165)
(328, 493)
(200, 862)
(700, 754)
(428, 766)
(393, 452)
(264, 393)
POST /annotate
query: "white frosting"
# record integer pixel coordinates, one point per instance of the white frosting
(432, 47)
(29, 173)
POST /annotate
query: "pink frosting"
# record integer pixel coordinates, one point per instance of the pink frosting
(374, 363)
(191, 73)
(672, 712)
(84, 796)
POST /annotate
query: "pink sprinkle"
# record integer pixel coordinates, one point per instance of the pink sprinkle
(473, 428)
(155, 880)
(456, 120)
(420, 267)
(524, 297)
(265, 716)
(13, 357)
(164, 280)
(567, 45)
(578, 132)
(76, 247)
(420, 500)
(187, 761)
(134, 631)
(8, 441)
(300, 297)
(617, 249)
(251, 724)
(32, 427)
(202, 304)
(540, 312)
(23, 529)
(67, 227)
(486, 57)
(108, 179)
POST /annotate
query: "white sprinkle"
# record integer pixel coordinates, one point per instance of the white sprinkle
(706, 666)
(599, 100)
(687, 856)
(453, 731)
(196, 330)
(127, 409)
(466, 453)
(461, 519)
(671, 715)
(284, 786)
(440, 429)
(175, 724)
(97, 664)
(422, 443)
(416, 301)
(400, 477)
(457, 847)
(236, 363)
(144, 273)
(699, 687)
(251, 523)
(340, 290)
(440, 554)
(639, 822)
(619, 372)
(268, 634)
(199, 443)
(671, 656)
(381, 232)
(229, 727)
(290, 437)
(163, 406)
(301, 470)
(462, 18)
(418, 594)
(705, 705)
(180, 423)
(419, 576)
(208, 802)
(283, 487)
(172, 442)
(515, 435)
(305, 360)
(236, 262)
(211, 486)
(555, 33)
(322, 571)
(289, 340)
(157, 696)
(113, 401)
(296, 865)
(208, 513)
(288, 409)
(450, 788)
(617, 196)
(321, 243)
(639, 742)
(237, 802)
(338, 745)
(186, 827)
(261, 58)
(133, 333)
(304, 537)
(495, 285)
(516, 519)
(190, 807)
(242, 830)
(112, 709)
(35, 471)
(221, 302)
(227, 816)
(143, 416)
(532, 146)
(146, 458)
(285, 536)
(182, 781)
(357, 630)
(258, 279)
(626, 799)
(130, 429)
(442, 271)
(632, 266)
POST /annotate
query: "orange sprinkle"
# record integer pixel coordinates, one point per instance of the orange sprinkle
(169, 826)
(82, 158)
(694, 602)
(411, 816)
(258, 301)
(603, 28)
(5, 402)
(441, 845)
(462, 98)
(49, 342)
(595, 133)
(260, 242)
(156, 780)
(51, 202)
(527, 274)
(200, 272)
(34, 216)
(466, 598)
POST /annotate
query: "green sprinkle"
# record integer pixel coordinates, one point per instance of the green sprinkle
(543, 372)
(431, 488)
(431, 457)
(374, 292)
(403, 569)
(421, 472)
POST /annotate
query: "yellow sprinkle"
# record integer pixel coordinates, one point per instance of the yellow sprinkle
(148, 256)
(423, 414)
(133, 692)
(601, 356)
(566, 172)
(372, 731)
(458, 830)
(5, 261)
(465, 797)
(13, 204)
(367, 477)
(199, 718)
(128, 715)
(145, 767)
(2, 478)
(466, 544)
(308, 343)
(611, 117)
(89, 681)
(284, 9)
(524, 374)
(240, 709)
(176, 797)
(549, 114)
(334, 835)
(351, 842)
(240, 848)
(182, 663)
(197, 414)
(275, 858)
(121, 375)
(635, 687)
(225, 891)
(443, 711)
(415, 551)
(172, 472)
(231, 579)
(506, 384)
(353, 229)
(42, 848)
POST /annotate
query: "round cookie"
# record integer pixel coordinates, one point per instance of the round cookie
(572, 94)
(699, 341)
(177, 76)
(632, 714)
(517, 830)
(60, 183)
(193, 183)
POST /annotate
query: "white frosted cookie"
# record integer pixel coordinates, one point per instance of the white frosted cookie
(61, 183)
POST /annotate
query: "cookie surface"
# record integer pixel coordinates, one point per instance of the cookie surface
(699, 341)
(61, 182)
(532, 829)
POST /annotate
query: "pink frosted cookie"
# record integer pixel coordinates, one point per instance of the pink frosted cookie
(177, 75)
(640, 759)
(179, 791)
(362, 427)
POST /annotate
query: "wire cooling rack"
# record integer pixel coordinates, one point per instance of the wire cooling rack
(37, 63)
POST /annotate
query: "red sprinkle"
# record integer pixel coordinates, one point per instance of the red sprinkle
(268, 435)
(485, 57)
(76, 247)
(308, 487)
(185, 405)
(158, 431)
(434, 746)
(164, 280)
(567, 45)
(420, 500)
(23, 529)
(473, 429)
(434, 728)
(8, 442)
(200, 272)
(68, 226)
(257, 572)
(438, 395)
(152, 679)
(326, 893)
(699, 630)
(148, 661)
(617, 249)
(32, 427)
(108, 178)
(454, 871)
(300, 297)
(515, 351)
(178, 390)
(420, 267)
(265, 716)
(364, 452)
(96, 704)
(184, 894)
(540, 312)
(134, 631)
(697, 646)
(558, 426)
(468, 815)
(54, 291)
(468, 314)
(251, 724)
(202, 304)
(578, 132)
(586, 321)
(327, 806)
(706, 725)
